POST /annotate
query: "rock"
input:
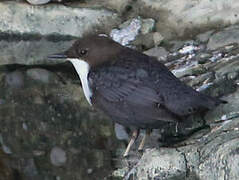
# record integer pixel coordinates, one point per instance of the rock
(147, 25)
(204, 37)
(119, 5)
(228, 109)
(160, 164)
(58, 156)
(214, 154)
(53, 19)
(134, 27)
(176, 45)
(203, 57)
(232, 75)
(40, 116)
(158, 52)
(120, 173)
(127, 32)
(15, 79)
(41, 75)
(229, 67)
(31, 52)
(147, 41)
(38, 2)
(120, 132)
(5, 148)
(227, 36)
(188, 71)
(184, 18)
(209, 77)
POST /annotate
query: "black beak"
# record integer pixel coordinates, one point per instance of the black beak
(57, 56)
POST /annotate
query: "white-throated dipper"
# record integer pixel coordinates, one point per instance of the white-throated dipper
(134, 89)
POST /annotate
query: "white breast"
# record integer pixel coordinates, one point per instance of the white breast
(82, 69)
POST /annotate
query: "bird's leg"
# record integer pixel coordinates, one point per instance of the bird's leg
(141, 145)
(135, 135)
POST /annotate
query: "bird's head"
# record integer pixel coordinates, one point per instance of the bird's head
(93, 50)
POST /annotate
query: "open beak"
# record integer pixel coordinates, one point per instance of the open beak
(57, 56)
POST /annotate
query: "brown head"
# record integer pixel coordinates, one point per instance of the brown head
(94, 49)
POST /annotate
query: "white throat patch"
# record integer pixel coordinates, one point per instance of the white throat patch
(82, 69)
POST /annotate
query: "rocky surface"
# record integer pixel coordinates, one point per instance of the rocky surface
(29, 52)
(48, 128)
(173, 18)
(48, 131)
(21, 18)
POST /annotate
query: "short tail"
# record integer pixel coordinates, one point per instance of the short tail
(213, 102)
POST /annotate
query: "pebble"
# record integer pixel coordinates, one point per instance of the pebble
(120, 132)
(39, 74)
(38, 2)
(5, 148)
(15, 79)
(24, 126)
(58, 156)
(2, 101)
(89, 171)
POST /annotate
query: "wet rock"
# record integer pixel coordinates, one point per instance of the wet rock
(188, 71)
(202, 58)
(58, 156)
(188, 49)
(227, 36)
(228, 67)
(221, 86)
(209, 77)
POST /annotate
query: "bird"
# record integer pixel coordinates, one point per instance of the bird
(133, 89)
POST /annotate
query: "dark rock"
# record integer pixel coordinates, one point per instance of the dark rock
(228, 36)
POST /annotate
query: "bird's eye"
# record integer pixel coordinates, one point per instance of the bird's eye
(83, 52)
